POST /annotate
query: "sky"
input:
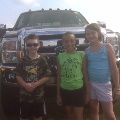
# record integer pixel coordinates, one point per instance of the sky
(92, 10)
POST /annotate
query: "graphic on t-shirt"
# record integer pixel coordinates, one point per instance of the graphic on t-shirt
(31, 73)
(69, 68)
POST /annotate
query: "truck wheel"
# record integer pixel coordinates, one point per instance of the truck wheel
(10, 100)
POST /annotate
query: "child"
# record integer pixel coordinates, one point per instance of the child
(70, 90)
(101, 65)
(32, 72)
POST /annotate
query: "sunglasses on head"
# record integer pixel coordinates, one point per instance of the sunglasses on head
(32, 44)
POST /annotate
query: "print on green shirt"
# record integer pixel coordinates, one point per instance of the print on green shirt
(69, 66)
(71, 73)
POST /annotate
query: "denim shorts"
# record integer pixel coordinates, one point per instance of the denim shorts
(101, 91)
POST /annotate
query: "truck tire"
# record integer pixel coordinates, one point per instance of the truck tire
(10, 100)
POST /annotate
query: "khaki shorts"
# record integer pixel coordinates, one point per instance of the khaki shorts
(101, 91)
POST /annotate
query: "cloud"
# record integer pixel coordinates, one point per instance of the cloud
(9, 25)
(27, 2)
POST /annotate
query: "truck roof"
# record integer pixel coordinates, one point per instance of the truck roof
(50, 18)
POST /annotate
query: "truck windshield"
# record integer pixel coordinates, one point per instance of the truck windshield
(49, 18)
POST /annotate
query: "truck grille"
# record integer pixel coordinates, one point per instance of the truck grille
(49, 37)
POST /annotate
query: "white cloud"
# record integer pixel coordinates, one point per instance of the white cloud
(9, 25)
(27, 2)
(36, 4)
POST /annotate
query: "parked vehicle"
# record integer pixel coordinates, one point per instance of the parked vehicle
(49, 26)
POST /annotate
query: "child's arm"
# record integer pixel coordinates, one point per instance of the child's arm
(114, 70)
(85, 78)
(40, 82)
(59, 101)
(27, 86)
(19, 71)
(45, 78)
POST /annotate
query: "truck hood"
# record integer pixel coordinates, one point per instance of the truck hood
(45, 31)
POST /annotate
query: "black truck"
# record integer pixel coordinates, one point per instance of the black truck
(49, 26)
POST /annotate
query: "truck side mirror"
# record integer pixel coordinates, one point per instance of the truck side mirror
(102, 24)
(9, 29)
(2, 26)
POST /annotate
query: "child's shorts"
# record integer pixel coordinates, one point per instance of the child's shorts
(28, 110)
(73, 97)
(101, 91)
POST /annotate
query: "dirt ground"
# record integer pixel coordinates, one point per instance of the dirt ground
(58, 113)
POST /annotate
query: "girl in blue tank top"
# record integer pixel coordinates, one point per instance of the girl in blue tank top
(101, 64)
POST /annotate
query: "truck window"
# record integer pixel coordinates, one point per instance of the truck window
(50, 18)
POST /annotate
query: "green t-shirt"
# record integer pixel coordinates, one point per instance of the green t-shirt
(71, 73)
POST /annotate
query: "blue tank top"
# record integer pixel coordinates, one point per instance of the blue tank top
(98, 65)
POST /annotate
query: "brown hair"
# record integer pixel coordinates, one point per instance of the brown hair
(95, 27)
(31, 37)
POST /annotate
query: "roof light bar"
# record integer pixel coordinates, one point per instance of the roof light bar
(42, 9)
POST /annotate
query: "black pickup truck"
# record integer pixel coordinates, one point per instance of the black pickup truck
(49, 26)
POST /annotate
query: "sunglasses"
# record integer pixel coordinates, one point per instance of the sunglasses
(32, 44)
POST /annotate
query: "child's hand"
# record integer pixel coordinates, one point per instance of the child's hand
(33, 84)
(28, 87)
(59, 101)
(116, 95)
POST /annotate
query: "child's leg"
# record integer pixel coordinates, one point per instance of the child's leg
(70, 112)
(23, 119)
(25, 110)
(73, 100)
(78, 113)
(38, 110)
(94, 109)
(74, 113)
(40, 118)
(107, 108)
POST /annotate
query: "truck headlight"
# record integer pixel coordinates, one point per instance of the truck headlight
(9, 51)
(114, 42)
